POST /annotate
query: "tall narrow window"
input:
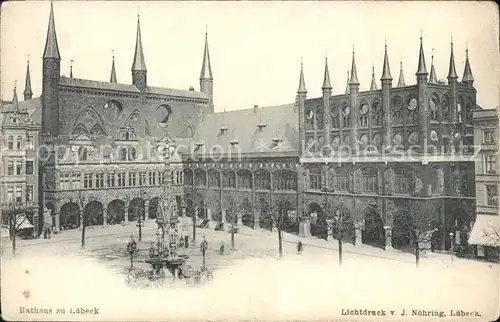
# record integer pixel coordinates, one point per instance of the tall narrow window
(262, 180)
(342, 180)
(244, 179)
(161, 177)
(229, 180)
(76, 181)
(19, 167)
(188, 176)
(10, 168)
(10, 194)
(142, 178)
(213, 179)
(111, 179)
(82, 153)
(29, 193)
(99, 180)
(19, 194)
(402, 181)
(490, 163)
(200, 179)
(121, 179)
(19, 142)
(29, 167)
(87, 180)
(152, 178)
(11, 143)
(369, 180)
(29, 142)
(315, 179)
(131, 179)
(488, 136)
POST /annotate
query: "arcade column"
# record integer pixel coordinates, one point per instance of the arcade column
(388, 237)
(358, 234)
(125, 213)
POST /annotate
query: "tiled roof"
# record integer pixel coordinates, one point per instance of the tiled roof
(175, 92)
(76, 82)
(272, 129)
(33, 107)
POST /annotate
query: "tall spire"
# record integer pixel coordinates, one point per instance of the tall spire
(386, 71)
(139, 63)
(401, 81)
(206, 67)
(421, 70)
(113, 71)
(354, 73)
(15, 102)
(302, 83)
(452, 73)
(28, 93)
(347, 83)
(373, 86)
(326, 80)
(467, 77)
(432, 76)
(71, 69)
(51, 47)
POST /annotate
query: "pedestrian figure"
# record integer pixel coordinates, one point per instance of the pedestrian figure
(186, 241)
(300, 247)
(48, 232)
(221, 250)
(45, 233)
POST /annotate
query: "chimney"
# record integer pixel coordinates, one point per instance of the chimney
(191, 89)
(255, 108)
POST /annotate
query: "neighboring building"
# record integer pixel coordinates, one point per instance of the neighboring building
(103, 144)
(19, 171)
(486, 231)
(323, 163)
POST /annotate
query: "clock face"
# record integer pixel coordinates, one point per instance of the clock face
(347, 110)
(364, 109)
(310, 114)
(413, 104)
(413, 138)
(398, 139)
(434, 135)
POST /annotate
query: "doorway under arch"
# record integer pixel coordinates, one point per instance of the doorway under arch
(373, 232)
(116, 212)
(93, 214)
(69, 216)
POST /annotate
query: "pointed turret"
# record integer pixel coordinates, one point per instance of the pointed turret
(302, 83)
(452, 72)
(373, 86)
(421, 70)
(347, 84)
(467, 78)
(71, 69)
(206, 76)
(206, 68)
(139, 71)
(401, 81)
(28, 94)
(51, 47)
(386, 70)
(15, 102)
(51, 72)
(432, 76)
(354, 73)
(139, 63)
(326, 79)
(112, 79)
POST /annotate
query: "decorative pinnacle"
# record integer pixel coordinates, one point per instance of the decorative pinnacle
(15, 84)
(28, 58)
(113, 52)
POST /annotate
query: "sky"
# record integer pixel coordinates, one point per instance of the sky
(255, 47)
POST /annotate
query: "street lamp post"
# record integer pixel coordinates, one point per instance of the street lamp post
(142, 212)
(131, 248)
(203, 248)
(338, 219)
(451, 243)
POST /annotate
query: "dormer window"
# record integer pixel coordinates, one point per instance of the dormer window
(261, 125)
(14, 118)
(233, 142)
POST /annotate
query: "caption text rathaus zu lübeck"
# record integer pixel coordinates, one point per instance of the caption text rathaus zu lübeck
(412, 312)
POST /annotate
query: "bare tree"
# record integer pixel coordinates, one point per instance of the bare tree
(13, 214)
(339, 222)
(83, 200)
(420, 222)
(234, 206)
(279, 217)
(194, 202)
